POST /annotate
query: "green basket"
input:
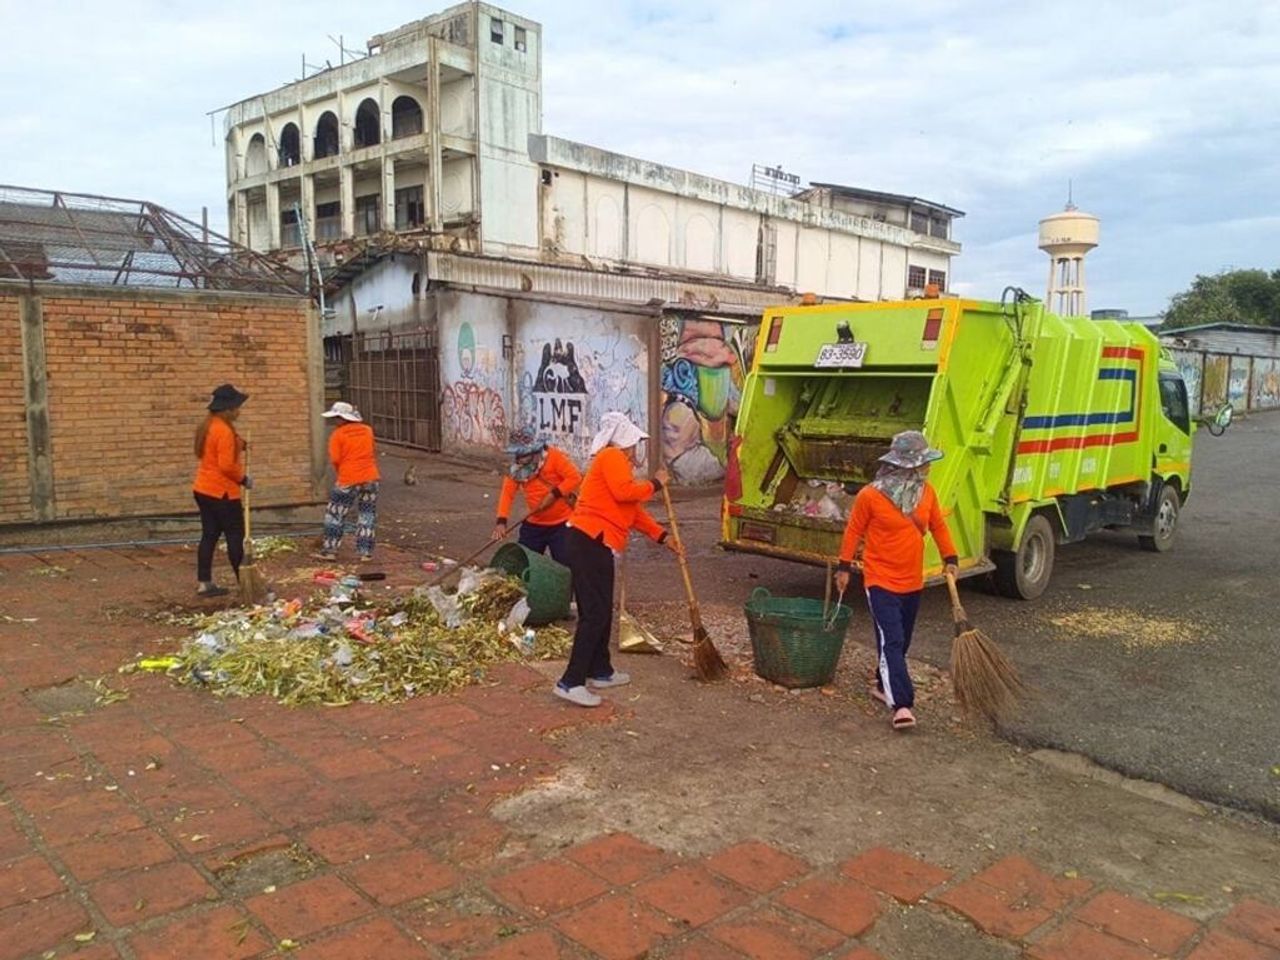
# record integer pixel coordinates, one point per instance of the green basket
(790, 643)
(549, 585)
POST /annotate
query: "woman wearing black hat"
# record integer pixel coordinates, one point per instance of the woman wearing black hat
(219, 477)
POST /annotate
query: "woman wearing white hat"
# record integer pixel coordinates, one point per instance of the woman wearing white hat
(351, 450)
(609, 507)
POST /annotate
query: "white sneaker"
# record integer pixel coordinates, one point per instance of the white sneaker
(616, 679)
(577, 695)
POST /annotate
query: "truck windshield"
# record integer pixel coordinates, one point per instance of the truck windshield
(1173, 398)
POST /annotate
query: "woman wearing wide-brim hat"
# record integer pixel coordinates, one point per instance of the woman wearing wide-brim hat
(891, 514)
(355, 461)
(219, 477)
(548, 479)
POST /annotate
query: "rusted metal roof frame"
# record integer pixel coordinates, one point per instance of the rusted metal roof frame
(115, 241)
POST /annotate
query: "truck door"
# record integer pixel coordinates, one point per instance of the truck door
(1173, 439)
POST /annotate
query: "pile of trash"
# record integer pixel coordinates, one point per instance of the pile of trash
(338, 649)
(818, 500)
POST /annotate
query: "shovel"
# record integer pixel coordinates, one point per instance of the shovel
(632, 636)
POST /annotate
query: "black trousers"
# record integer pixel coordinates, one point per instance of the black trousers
(591, 563)
(219, 518)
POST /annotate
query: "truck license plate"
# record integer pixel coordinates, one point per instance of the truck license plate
(841, 354)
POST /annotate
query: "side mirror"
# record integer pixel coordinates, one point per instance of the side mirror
(1223, 419)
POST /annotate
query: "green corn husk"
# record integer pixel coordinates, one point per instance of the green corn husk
(323, 653)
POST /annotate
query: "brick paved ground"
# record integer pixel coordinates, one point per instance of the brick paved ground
(174, 824)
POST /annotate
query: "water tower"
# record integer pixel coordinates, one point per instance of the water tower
(1066, 237)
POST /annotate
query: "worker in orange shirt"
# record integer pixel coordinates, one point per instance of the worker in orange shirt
(891, 514)
(610, 506)
(549, 480)
(219, 477)
(354, 459)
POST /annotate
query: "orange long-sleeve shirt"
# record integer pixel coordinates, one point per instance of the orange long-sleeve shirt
(609, 502)
(894, 554)
(220, 468)
(557, 476)
(351, 451)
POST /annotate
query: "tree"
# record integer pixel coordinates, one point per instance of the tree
(1233, 296)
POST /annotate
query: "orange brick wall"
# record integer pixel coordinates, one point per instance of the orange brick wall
(129, 375)
(15, 487)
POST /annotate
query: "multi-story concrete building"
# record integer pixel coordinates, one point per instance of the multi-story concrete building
(437, 203)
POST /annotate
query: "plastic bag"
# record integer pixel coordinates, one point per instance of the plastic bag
(446, 607)
(518, 615)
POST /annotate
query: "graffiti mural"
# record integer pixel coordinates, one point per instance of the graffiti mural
(703, 363)
(472, 409)
(1217, 372)
(1238, 383)
(568, 380)
(1266, 383)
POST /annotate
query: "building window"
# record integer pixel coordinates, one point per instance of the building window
(919, 223)
(915, 278)
(496, 31)
(368, 129)
(939, 279)
(938, 227)
(406, 118)
(522, 39)
(326, 140)
(367, 214)
(290, 232)
(410, 211)
(290, 146)
(329, 221)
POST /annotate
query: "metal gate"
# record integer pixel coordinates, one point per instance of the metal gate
(394, 380)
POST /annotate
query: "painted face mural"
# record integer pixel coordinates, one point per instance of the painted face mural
(467, 349)
(703, 362)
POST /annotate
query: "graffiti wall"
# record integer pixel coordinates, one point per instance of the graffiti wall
(1266, 383)
(1249, 383)
(473, 373)
(703, 363)
(573, 365)
(1238, 383)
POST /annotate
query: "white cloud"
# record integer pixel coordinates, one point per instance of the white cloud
(1164, 120)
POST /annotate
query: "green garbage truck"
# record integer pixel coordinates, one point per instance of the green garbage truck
(1052, 428)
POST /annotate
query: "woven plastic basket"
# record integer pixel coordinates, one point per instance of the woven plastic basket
(791, 644)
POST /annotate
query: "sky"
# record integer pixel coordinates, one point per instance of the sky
(1163, 117)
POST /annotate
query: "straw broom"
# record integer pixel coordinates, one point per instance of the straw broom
(253, 583)
(986, 682)
(706, 658)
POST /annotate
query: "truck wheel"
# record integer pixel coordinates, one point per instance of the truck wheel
(1024, 573)
(1165, 524)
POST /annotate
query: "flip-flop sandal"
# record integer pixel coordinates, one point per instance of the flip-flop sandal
(904, 723)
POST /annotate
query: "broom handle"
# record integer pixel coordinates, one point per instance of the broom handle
(694, 613)
(826, 595)
(957, 610)
(622, 584)
(248, 527)
(489, 544)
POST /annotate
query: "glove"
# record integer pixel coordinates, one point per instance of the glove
(247, 482)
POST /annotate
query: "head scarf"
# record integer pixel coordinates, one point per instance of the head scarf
(903, 485)
(521, 471)
(616, 429)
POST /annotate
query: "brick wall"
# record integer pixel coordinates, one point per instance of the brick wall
(15, 490)
(129, 375)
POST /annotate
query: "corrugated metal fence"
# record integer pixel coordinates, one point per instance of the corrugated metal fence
(1248, 382)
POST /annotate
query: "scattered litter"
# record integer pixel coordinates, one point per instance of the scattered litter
(1134, 630)
(85, 937)
(1163, 895)
(342, 649)
(107, 695)
(266, 547)
(52, 570)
